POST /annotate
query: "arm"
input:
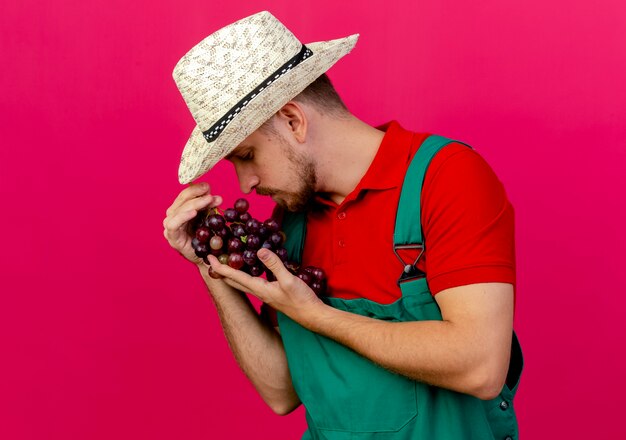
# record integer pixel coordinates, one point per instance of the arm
(256, 346)
(467, 352)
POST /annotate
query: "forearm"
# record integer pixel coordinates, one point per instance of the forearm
(257, 347)
(439, 353)
(468, 351)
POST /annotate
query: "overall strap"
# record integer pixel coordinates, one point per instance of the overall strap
(294, 227)
(408, 230)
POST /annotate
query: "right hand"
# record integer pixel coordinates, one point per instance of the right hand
(177, 229)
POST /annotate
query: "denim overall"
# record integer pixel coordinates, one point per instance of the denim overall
(347, 396)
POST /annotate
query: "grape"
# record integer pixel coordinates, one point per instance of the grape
(238, 230)
(315, 272)
(282, 254)
(234, 237)
(216, 242)
(253, 226)
(256, 270)
(244, 217)
(253, 242)
(317, 288)
(203, 234)
(318, 273)
(308, 270)
(271, 225)
(241, 206)
(235, 260)
(202, 250)
(305, 277)
(249, 257)
(314, 277)
(276, 239)
(235, 245)
(216, 222)
(264, 232)
(230, 215)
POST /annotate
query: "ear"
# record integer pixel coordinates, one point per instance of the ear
(294, 117)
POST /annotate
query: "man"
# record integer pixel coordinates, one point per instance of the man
(429, 356)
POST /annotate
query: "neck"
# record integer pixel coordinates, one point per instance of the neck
(345, 148)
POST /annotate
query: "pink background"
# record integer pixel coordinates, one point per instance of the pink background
(105, 332)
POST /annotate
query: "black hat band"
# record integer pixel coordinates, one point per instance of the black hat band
(212, 133)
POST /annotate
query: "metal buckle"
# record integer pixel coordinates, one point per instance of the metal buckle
(410, 271)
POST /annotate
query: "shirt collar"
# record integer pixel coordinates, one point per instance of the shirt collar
(387, 169)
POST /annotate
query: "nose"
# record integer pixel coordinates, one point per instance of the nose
(247, 180)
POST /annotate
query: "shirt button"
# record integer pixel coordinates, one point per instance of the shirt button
(341, 215)
(508, 437)
(504, 405)
(342, 243)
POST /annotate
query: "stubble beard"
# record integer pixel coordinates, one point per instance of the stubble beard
(303, 170)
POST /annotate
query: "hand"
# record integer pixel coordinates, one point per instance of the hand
(288, 294)
(177, 229)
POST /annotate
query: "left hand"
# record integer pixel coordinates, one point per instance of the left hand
(288, 294)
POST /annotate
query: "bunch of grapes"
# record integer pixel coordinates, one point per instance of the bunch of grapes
(234, 237)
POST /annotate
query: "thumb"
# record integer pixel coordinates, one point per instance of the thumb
(273, 263)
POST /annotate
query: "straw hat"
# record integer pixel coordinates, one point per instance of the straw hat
(238, 77)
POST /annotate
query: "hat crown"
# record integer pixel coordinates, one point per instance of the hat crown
(225, 66)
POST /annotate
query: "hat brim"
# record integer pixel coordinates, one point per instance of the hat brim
(199, 156)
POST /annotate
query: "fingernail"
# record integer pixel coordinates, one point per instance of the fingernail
(263, 254)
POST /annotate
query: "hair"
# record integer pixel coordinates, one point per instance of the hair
(321, 94)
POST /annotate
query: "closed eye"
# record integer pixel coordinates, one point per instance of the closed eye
(245, 157)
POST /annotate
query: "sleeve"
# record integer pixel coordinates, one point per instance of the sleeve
(468, 222)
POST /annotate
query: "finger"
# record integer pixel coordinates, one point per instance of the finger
(217, 201)
(174, 224)
(246, 282)
(206, 201)
(198, 203)
(173, 219)
(236, 285)
(192, 191)
(275, 264)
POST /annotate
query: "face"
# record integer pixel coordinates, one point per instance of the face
(266, 162)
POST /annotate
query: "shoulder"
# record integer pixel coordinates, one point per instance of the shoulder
(468, 221)
(461, 170)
